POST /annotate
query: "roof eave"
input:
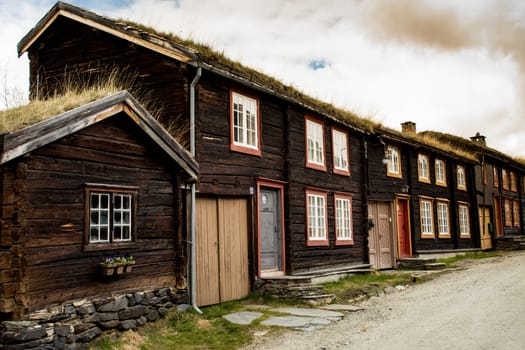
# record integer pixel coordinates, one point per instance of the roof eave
(21, 142)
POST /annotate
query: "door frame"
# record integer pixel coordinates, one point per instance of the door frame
(409, 223)
(276, 185)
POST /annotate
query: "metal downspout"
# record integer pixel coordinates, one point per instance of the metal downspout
(193, 281)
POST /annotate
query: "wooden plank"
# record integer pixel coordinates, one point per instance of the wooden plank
(206, 247)
(233, 249)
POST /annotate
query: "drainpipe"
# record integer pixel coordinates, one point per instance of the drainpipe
(193, 280)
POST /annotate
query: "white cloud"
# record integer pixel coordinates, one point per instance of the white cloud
(465, 76)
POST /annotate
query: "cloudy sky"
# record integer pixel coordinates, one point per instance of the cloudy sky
(448, 65)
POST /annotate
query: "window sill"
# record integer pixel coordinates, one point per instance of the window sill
(344, 242)
(108, 246)
(464, 237)
(245, 150)
(315, 166)
(427, 236)
(320, 243)
(398, 176)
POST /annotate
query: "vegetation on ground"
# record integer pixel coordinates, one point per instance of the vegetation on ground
(209, 330)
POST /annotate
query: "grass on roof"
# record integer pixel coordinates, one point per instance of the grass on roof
(74, 94)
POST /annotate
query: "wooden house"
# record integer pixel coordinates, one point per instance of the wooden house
(499, 190)
(281, 176)
(100, 180)
(420, 197)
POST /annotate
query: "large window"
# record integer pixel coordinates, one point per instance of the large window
(441, 175)
(317, 225)
(343, 219)
(423, 169)
(443, 222)
(340, 152)
(110, 215)
(464, 221)
(427, 220)
(495, 176)
(394, 162)
(461, 178)
(507, 204)
(315, 144)
(505, 179)
(513, 182)
(516, 213)
(244, 124)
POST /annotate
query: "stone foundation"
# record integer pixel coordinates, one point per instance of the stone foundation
(74, 325)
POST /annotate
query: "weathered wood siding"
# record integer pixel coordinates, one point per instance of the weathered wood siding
(301, 257)
(77, 53)
(226, 172)
(49, 211)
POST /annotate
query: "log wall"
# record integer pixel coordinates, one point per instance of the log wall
(49, 210)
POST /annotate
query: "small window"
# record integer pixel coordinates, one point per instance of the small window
(340, 152)
(423, 171)
(464, 221)
(516, 213)
(110, 216)
(441, 175)
(244, 124)
(343, 220)
(462, 182)
(495, 175)
(513, 182)
(507, 205)
(427, 219)
(315, 144)
(394, 162)
(317, 224)
(505, 179)
(443, 221)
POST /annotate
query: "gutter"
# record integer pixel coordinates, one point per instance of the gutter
(193, 280)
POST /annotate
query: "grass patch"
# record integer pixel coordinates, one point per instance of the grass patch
(353, 286)
(450, 262)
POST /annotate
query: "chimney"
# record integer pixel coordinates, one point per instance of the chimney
(479, 139)
(408, 127)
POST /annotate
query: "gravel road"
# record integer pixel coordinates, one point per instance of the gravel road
(480, 307)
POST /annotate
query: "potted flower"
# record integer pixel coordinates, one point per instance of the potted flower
(130, 261)
(120, 265)
(108, 266)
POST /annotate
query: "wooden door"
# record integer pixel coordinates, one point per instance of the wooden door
(271, 240)
(484, 223)
(221, 250)
(380, 235)
(403, 229)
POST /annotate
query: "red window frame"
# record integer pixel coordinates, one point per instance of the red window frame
(241, 148)
(316, 242)
(310, 164)
(343, 241)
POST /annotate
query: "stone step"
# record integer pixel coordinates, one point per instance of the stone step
(435, 266)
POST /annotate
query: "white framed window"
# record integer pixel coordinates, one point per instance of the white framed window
(244, 124)
(441, 175)
(343, 219)
(513, 182)
(110, 215)
(443, 219)
(340, 151)
(427, 217)
(394, 162)
(317, 214)
(516, 213)
(423, 171)
(462, 182)
(505, 179)
(315, 144)
(464, 221)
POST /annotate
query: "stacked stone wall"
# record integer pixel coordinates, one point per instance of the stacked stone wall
(75, 325)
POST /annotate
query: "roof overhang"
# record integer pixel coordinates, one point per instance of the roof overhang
(21, 142)
(93, 20)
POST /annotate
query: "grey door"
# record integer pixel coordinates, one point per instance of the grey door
(380, 235)
(270, 230)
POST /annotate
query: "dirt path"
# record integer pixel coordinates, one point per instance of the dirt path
(482, 307)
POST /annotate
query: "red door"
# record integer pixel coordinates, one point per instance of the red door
(403, 229)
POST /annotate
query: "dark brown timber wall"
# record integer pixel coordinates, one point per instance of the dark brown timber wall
(48, 213)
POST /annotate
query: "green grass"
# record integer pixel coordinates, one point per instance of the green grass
(450, 262)
(365, 284)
